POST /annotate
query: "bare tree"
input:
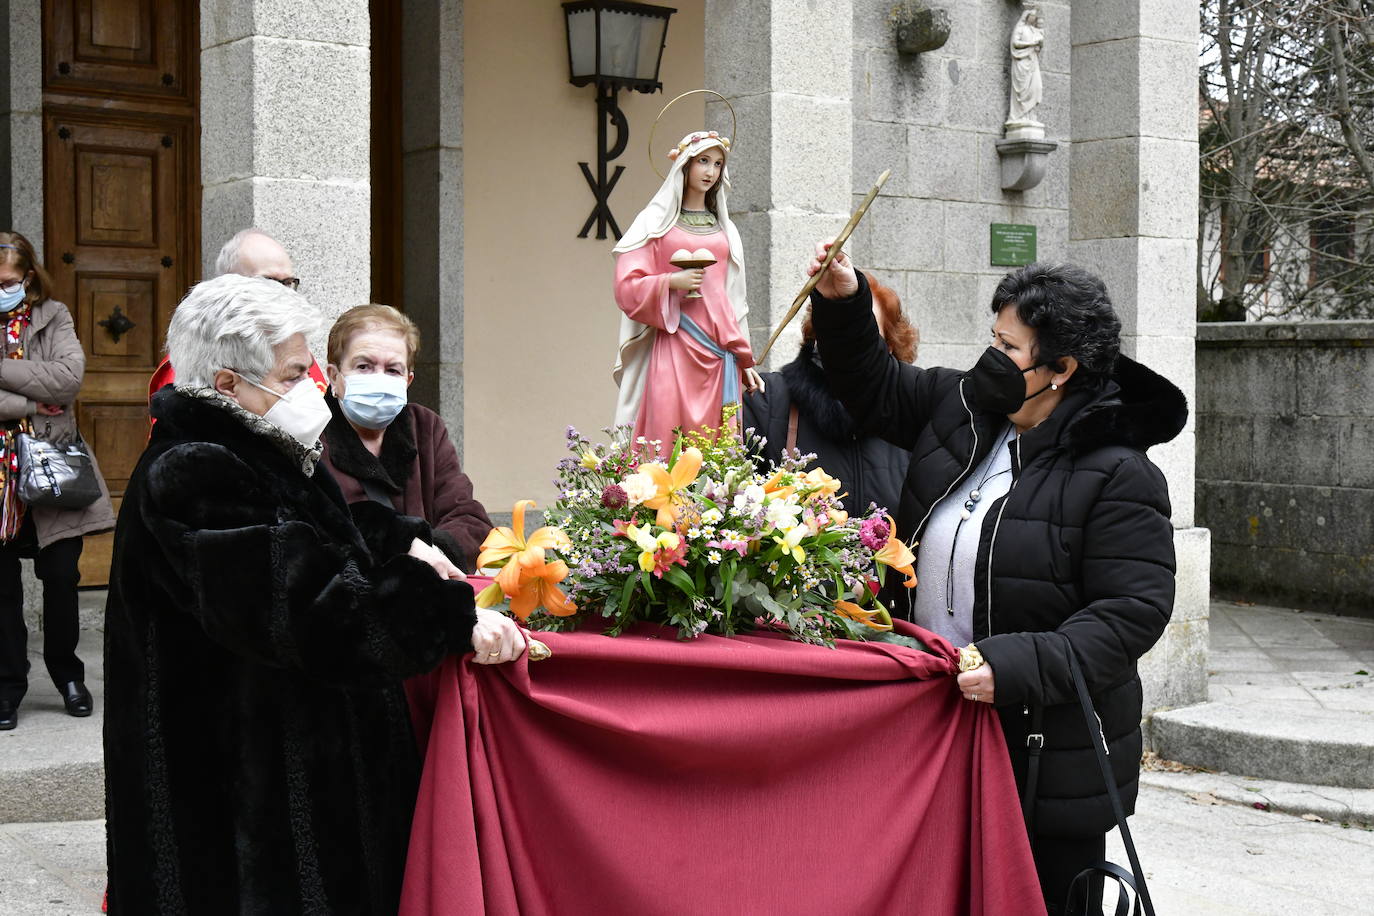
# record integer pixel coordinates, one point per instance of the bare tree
(1287, 177)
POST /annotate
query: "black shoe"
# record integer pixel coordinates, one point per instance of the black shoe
(9, 715)
(78, 699)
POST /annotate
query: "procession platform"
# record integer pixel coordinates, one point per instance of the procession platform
(1283, 669)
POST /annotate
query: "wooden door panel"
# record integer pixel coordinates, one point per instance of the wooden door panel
(103, 47)
(106, 427)
(103, 297)
(115, 203)
(121, 206)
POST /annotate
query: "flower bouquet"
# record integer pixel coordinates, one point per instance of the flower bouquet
(702, 541)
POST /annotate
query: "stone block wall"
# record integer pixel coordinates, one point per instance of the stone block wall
(934, 120)
(1285, 461)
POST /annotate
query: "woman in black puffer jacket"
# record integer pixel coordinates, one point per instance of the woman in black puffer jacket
(796, 409)
(1043, 527)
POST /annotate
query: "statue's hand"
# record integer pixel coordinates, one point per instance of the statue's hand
(839, 280)
(686, 279)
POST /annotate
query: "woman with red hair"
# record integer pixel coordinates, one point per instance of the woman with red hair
(797, 410)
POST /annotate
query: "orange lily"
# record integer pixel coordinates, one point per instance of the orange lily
(878, 618)
(781, 485)
(670, 485)
(898, 556)
(505, 546)
(539, 588)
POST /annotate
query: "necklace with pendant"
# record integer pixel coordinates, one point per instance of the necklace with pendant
(975, 495)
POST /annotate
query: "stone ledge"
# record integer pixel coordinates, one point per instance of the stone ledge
(1330, 748)
(1223, 334)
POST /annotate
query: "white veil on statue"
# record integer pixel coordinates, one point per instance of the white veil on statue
(654, 221)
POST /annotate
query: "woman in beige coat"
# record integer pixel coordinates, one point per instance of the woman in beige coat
(40, 374)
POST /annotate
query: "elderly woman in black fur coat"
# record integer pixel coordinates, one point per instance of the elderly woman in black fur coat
(1043, 527)
(258, 752)
(796, 409)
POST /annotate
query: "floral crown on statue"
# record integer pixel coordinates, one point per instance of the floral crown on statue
(696, 135)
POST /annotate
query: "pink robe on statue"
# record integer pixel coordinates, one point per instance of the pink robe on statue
(684, 382)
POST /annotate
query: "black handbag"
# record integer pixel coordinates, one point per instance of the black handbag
(56, 475)
(1133, 879)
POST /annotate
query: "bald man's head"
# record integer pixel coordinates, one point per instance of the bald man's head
(254, 253)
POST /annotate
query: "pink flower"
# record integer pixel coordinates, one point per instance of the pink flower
(738, 546)
(613, 496)
(874, 533)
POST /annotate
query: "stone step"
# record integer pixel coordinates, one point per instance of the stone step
(1289, 742)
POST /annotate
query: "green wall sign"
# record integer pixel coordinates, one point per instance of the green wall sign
(1012, 245)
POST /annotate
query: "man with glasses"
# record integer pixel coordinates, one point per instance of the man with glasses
(250, 253)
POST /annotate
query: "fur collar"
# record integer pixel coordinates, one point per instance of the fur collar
(349, 456)
(1138, 409)
(306, 458)
(810, 391)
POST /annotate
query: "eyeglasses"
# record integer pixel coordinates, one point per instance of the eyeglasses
(288, 282)
(12, 287)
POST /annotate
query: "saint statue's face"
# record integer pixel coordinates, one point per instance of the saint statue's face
(704, 170)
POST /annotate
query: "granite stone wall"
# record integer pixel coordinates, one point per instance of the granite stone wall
(934, 119)
(1285, 461)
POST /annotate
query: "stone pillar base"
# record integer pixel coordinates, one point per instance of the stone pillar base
(1174, 672)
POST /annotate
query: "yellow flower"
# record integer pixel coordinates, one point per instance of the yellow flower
(878, 618)
(668, 485)
(781, 485)
(590, 461)
(791, 541)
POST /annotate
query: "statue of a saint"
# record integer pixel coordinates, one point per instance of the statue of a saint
(684, 333)
(1027, 40)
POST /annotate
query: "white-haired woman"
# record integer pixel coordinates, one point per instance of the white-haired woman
(258, 752)
(684, 335)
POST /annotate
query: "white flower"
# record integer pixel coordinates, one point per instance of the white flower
(711, 516)
(693, 533)
(638, 487)
(782, 515)
(748, 499)
(714, 557)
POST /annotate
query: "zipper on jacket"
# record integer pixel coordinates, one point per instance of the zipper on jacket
(973, 456)
(992, 541)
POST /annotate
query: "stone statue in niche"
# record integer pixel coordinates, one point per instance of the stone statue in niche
(1027, 41)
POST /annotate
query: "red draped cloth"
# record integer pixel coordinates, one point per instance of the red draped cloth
(643, 775)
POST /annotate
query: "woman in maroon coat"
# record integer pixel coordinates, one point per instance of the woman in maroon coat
(382, 448)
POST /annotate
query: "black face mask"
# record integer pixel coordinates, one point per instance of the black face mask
(999, 385)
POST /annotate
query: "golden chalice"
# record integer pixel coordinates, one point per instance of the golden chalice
(692, 260)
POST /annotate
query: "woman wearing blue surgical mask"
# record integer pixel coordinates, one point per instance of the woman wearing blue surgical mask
(41, 366)
(383, 448)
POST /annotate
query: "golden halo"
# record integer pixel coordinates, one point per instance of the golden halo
(734, 125)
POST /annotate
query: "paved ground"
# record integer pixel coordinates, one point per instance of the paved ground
(1201, 859)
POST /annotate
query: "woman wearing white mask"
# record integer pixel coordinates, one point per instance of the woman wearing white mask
(380, 447)
(258, 748)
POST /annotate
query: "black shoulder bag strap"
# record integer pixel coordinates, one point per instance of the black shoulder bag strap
(1035, 743)
(1135, 878)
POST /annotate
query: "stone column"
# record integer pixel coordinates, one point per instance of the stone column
(432, 151)
(787, 67)
(21, 120)
(1133, 219)
(285, 138)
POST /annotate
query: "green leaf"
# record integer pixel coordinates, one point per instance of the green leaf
(648, 583)
(680, 579)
